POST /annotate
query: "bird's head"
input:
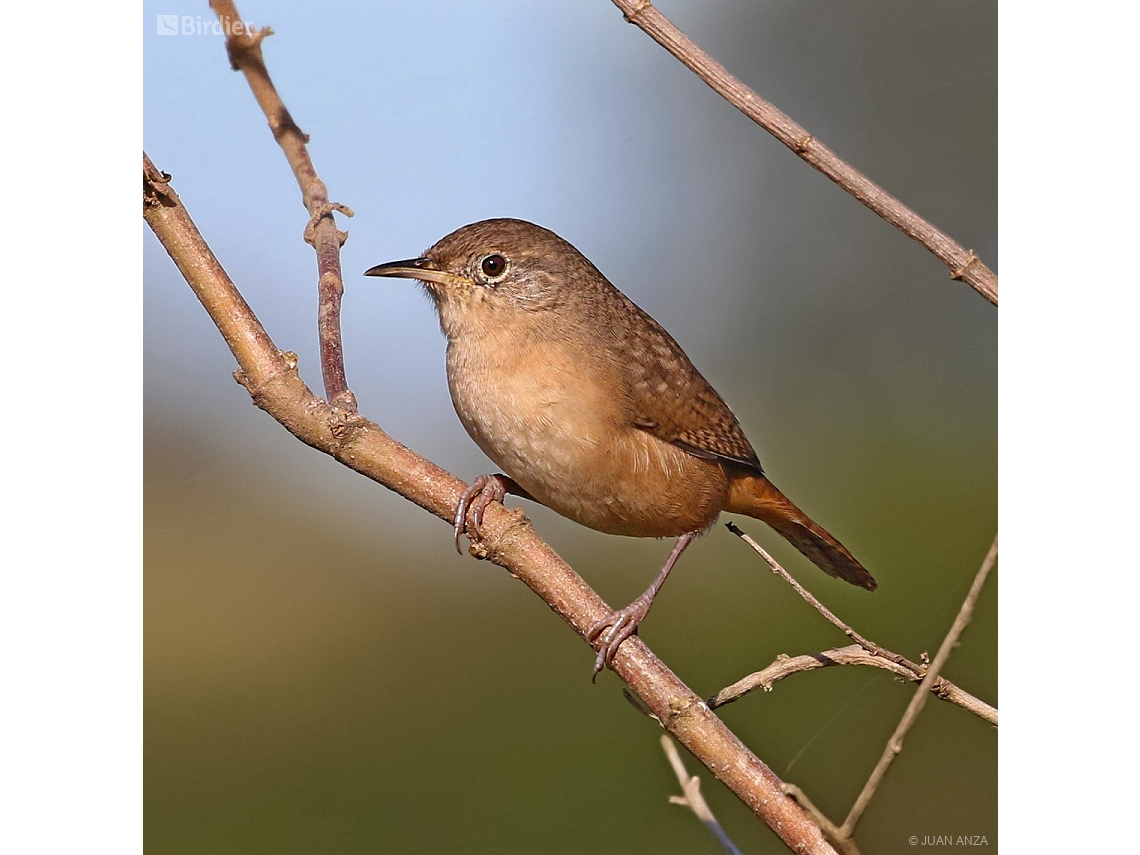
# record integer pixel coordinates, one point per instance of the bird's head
(488, 272)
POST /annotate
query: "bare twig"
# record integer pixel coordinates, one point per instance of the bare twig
(876, 654)
(870, 654)
(868, 645)
(692, 798)
(843, 845)
(785, 666)
(244, 50)
(271, 378)
(963, 263)
(895, 743)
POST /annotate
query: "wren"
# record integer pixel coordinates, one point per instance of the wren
(590, 407)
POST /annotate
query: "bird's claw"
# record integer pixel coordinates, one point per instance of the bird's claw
(480, 493)
(622, 624)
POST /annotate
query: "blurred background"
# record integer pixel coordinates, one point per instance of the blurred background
(323, 672)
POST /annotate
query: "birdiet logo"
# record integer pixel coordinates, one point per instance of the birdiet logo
(193, 25)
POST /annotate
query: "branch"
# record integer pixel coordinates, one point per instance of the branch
(870, 646)
(692, 798)
(271, 378)
(244, 51)
(843, 845)
(963, 264)
(875, 654)
(786, 666)
(895, 744)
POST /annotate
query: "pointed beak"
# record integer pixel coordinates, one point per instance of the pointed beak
(423, 269)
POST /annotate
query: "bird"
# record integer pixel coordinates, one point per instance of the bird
(590, 407)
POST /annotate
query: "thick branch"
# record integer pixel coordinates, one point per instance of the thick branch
(963, 263)
(244, 50)
(272, 380)
(785, 666)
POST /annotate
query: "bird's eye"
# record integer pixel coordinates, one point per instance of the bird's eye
(493, 266)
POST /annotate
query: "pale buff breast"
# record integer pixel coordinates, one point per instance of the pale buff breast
(562, 437)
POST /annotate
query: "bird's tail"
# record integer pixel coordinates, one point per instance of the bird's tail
(757, 497)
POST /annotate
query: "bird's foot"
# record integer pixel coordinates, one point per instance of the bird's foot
(480, 493)
(611, 631)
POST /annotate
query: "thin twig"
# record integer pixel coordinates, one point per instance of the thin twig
(821, 608)
(964, 264)
(785, 666)
(895, 743)
(244, 51)
(843, 845)
(692, 798)
(271, 378)
(876, 654)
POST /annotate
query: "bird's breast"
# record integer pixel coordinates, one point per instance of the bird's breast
(557, 423)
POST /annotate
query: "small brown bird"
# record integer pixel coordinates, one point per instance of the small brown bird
(591, 407)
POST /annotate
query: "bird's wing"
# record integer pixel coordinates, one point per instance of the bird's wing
(675, 403)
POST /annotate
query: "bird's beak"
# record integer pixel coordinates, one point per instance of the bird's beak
(423, 269)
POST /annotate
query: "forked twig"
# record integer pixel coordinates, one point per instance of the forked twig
(786, 666)
(244, 51)
(841, 836)
(875, 655)
(692, 798)
(895, 743)
(843, 845)
(820, 607)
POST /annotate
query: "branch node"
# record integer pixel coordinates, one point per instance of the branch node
(244, 44)
(632, 15)
(323, 211)
(329, 281)
(959, 273)
(801, 144)
(682, 707)
(518, 524)
(156, 191)
(281, 125)
(338, 423)
(257, 390)
(345, 401)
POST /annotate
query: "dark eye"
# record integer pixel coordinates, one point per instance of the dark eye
(493, 265)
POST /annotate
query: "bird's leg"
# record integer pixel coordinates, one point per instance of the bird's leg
(624, 623)
(480, 493)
